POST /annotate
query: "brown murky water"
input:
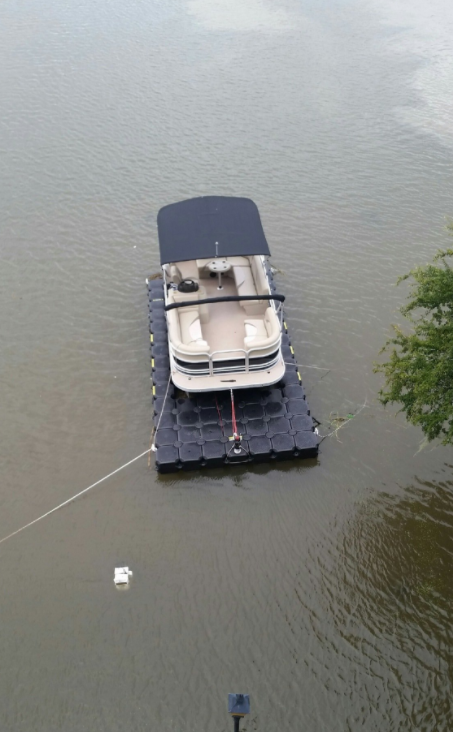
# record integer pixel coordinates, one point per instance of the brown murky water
(324, 590)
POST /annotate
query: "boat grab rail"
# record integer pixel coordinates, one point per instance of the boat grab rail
(176, 352)
(211, 370)
(225, 298)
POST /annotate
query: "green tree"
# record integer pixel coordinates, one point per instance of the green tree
(419, 371)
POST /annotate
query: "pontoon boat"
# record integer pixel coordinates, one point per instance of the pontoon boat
(224, 322)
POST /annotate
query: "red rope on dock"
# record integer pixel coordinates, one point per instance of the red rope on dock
(233, 417)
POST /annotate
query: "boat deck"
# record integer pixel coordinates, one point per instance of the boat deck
(225, 328)
(196, 431)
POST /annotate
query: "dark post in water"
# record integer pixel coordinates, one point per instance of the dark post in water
(238, 706)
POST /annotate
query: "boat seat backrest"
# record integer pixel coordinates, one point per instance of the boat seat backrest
(272, 324)
(202, 266)
(189, 270)
(174, 330)
(238, 261)
(243, 278)
(262, 333)
(261, 284)
(183, 271)
(251, 280)
(190, 326)
(175, 274)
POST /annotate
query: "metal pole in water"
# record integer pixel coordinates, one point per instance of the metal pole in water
(238, 706)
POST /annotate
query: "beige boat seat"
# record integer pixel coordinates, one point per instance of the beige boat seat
(175, 273)
(185, 332)
(245, 283)
(189, 269)
(251, 280)
(190, 327)
(261, 283)
(263, 333)
(185, 324)
(175, 296)
(202, 266)
(184, 271)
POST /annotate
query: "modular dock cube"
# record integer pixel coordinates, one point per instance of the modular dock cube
(195, 431)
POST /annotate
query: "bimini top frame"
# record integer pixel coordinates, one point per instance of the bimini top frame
(209, 227)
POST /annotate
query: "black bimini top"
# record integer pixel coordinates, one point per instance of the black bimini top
(210, 226)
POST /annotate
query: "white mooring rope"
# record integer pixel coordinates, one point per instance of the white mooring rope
(305, 366)
(65, 503)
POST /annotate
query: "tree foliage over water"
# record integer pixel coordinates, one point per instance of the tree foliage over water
(419, 372)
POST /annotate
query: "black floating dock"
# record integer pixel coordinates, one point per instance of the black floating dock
(195, 431)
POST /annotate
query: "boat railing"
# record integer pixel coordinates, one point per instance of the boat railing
(212, 356)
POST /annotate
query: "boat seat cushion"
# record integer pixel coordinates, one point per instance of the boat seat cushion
(254, 328)
(261, 283)
(243, 278)
(175, 274)
(245, 285)
(185, 333)
(264, 332)
(190, 325)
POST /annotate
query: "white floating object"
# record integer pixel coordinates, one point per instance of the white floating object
(121, 576)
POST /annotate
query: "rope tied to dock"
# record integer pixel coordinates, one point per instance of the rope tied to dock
(73, 498)
(344, 422)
